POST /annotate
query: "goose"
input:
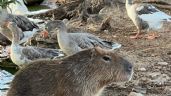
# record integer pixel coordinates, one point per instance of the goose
(146, 17)
(24, 55)
(28, 27)
(23, 22)
(71, 43)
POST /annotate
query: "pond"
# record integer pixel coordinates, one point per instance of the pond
(5, 80)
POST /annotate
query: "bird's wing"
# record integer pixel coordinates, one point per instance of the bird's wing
(30, 53)
(22, 22)
(33, 53)
(86, 40)
(145, 9)
(153, 16)
(48, 53)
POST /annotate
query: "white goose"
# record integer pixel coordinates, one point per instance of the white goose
(24, 55)
(145, 16)
(71, 43)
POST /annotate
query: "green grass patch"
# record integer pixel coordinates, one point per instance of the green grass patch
(36, 7)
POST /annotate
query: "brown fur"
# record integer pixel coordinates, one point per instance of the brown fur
(82, 74)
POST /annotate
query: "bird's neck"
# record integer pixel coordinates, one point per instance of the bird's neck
(3, 16)
(62, 32)
(65, 42)
(15, 39)
(16, 36)
(128, 2)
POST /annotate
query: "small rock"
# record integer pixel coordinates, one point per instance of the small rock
(114, 36)
(139, 89)
(135, 94)
(161, 79)
(144, 79)
(135, 82)
(169, 53)
(106, 31)
(154, 74)
(142, 69)
(167, 90)
(162, 63)
(153, 55)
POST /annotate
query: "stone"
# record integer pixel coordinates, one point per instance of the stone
(154, 74)
(142, 69)
(161, 79)
(135, 94)
(162, 63)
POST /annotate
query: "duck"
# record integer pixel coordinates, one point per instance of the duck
(71, 43)
(146, 17)
(22, 56)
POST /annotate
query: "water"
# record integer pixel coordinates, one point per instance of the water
(7, 71)
(5, 80)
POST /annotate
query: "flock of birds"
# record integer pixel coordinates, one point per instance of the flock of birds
(17, 29)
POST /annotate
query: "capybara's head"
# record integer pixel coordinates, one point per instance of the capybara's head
(55, 26)
(112, 67)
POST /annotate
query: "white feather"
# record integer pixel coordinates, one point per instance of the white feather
(155, 20)
(28, 35)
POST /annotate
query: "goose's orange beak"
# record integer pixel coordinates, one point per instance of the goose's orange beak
(44, 34)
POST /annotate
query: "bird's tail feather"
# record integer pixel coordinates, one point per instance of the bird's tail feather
(113, 44)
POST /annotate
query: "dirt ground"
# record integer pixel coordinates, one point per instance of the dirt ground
(151, 58)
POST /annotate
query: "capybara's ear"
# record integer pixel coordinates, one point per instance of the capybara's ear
(100, 50)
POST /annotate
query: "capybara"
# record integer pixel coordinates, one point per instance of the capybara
(85, 73)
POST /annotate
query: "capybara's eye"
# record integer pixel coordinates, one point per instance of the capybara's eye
(107, 58)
